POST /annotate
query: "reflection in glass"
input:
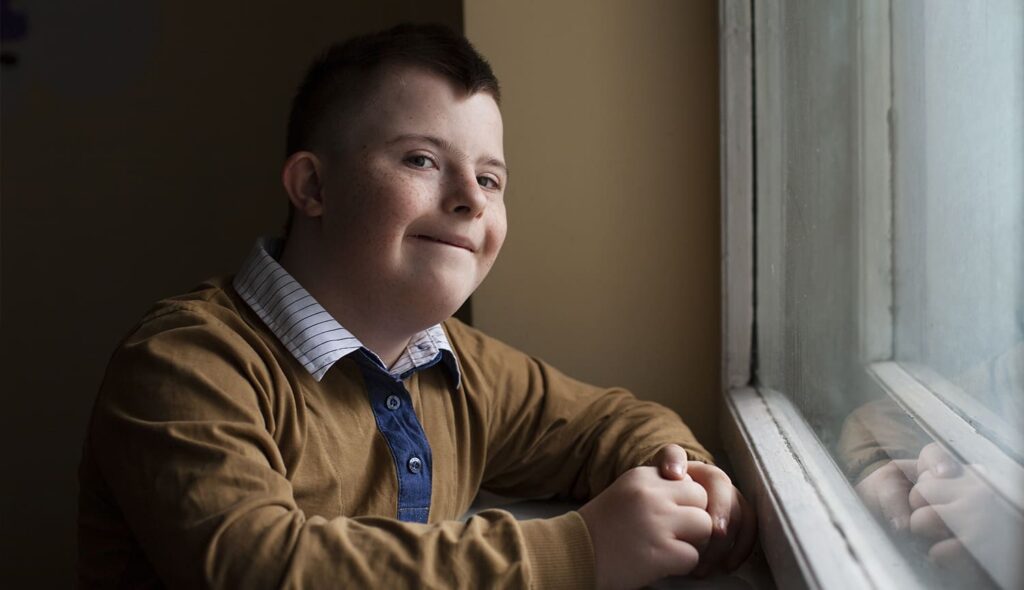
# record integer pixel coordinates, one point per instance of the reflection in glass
(889, 158)
(946, 512)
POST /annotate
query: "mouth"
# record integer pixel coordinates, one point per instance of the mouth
(448, 241)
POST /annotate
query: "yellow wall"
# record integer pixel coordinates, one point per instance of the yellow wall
(611, 267)
(142, 145)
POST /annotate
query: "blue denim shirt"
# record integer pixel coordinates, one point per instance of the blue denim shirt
(401, 429)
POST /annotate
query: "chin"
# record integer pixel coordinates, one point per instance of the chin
(449, 288)
(449, 307)
(441, 294)
(432, 306)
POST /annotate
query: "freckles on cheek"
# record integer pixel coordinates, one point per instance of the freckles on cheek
(399, 194)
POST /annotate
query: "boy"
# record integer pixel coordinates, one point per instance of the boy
(318, 421)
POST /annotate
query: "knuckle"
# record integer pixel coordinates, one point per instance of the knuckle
(922, 519)
(639, 495)
(688, 559)
(637, 492)
(720, 476)
(706, 521)
(633, 478)
(699, 526)
(706, 526)
(701, 495)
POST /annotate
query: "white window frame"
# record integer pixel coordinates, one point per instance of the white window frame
(814, 531)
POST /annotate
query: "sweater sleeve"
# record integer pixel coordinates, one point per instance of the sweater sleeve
(549, 434)
(875, 434)
(183, 441)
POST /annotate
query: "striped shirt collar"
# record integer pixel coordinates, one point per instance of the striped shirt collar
(309, 332)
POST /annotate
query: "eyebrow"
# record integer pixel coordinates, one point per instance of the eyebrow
(448, 146)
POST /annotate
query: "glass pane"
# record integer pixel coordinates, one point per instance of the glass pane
(945, 92)
(807, 208)
(958, 89)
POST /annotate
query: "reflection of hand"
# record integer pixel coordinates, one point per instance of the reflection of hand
(952, 506)
(886, 492)
(735, 524)
(968, 524)
(949, 506)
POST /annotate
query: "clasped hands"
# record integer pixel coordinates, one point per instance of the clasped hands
(671, 517)
(940, 502)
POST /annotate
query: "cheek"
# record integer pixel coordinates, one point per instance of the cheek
(387, 205)
(498, 231)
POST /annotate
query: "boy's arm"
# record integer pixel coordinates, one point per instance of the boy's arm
(183, 441)
(875, 434)
(550, 434)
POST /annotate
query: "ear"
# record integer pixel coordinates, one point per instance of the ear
(302, 178)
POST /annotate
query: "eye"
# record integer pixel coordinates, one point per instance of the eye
(488, 182)
(420, 161)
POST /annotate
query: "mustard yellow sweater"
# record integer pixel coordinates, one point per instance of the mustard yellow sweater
(214, 459)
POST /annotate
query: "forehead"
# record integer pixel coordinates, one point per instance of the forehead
(403, 99)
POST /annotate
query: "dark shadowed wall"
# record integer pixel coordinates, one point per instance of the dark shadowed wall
(141, 148)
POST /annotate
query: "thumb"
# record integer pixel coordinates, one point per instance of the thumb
(671, 462)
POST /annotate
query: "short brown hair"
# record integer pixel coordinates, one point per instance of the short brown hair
(339, 76)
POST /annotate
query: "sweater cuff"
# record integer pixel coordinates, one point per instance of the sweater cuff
(560, 552)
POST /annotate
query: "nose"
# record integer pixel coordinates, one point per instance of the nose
(464, 196)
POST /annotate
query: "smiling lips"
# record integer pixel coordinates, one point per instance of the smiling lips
(449, 241)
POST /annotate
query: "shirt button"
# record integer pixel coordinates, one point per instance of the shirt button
(392, 402)
(415, 465)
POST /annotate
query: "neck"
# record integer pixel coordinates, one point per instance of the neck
(369, 321)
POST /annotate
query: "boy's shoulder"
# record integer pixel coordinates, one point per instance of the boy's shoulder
(206, 337)
(210, 310)
(214, 298)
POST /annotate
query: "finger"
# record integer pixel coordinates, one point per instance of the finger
(692, 525)
(947, 552)
(908, 467)
(718, 546)
(894, 501)
(720, 492)
(916, 499)
(671, 462)
(927, 524)
(935, 490)
(679, 557)
(868, 487)
(938, 461)
(746, 537)
(688, 493)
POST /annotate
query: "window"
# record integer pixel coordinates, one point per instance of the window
(873, 172)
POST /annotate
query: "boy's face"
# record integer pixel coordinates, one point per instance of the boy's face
(414, 214)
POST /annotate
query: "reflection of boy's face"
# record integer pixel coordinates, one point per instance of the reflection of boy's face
(414, 214)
